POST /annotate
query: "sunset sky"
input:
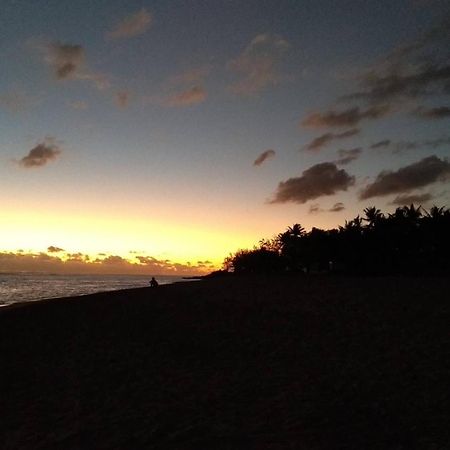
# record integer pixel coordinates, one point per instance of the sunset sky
(159, 136)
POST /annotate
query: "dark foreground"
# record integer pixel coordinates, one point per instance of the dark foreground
(318, 363)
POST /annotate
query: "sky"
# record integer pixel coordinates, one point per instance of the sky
(161, 136)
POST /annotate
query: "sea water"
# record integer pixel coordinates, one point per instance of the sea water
(28, 287)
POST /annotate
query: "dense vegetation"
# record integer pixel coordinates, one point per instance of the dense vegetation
(410, 240)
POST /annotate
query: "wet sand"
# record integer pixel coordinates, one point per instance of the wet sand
(236, 363)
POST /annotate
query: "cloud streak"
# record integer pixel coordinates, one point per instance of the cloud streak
(417, 175)
(188, 97)
(258, 64)
(264, 156)
(132, 25)
(441, 112)
(317, 181)
(41, 154)
(347, 118)
(317, 143)
(348, 156)
(406, 199)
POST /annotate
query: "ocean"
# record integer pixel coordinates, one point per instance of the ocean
(29, 287)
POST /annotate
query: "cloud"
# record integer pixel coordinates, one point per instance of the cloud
(319, 142)
(53, 249)
(381, 144)
(401, 146)
(337, 207)
(317, 181)
(65, 59)
(122, 99)
(195, 75)
(258, 64)
(264, 156)
(402, 200)
(315, 209)
(68, 63)
(188, 97)
(419, 174)
(347, 118)
(79, 104)
(16, 101)
(132, 25)
(433, 113)
(107, 264)
(347, 156)
(41, 154)
(425, 80)
(416, 69)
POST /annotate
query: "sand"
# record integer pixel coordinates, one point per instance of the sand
(238, 363)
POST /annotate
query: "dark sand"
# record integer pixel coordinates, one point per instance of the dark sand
(315, 363)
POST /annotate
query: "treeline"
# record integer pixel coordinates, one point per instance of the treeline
(410, 240)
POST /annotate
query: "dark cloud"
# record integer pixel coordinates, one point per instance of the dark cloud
(132, 25)
(381, 144)
(347, 118)
(315, 209)
(53, 249)
(319, 142)
(401, 146)
(68, 63)
(317, 181)
(191, 96)
(419, 174)
(402, 200)
(426, 80)
(433, 113)
(66, 59)
(258, 64)
(412, 71)
(40, 155)
(263, 157)
(347, 156)
(337, 207)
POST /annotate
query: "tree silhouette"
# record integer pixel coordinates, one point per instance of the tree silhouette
(405, 241)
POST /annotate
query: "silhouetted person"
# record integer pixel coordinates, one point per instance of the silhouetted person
(153, 283)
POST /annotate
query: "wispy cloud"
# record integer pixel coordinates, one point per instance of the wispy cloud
(417, 175)
(317, 181)
(41, 154)
(440, 112)
(347, 156)
(188, 97)
(406, 199)
(16, 101)
(132, 25)
(346, 118)
(402, 146)
(264, 156)
(258, 64)
(337, 207)
(68, 62)
(317, 143)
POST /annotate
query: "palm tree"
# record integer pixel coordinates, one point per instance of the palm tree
(373, 216)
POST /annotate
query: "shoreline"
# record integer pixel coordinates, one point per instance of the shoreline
(251, 363)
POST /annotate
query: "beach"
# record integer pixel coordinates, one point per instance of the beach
(282, 362)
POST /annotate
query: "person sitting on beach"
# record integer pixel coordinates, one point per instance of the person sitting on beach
(153, 282)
